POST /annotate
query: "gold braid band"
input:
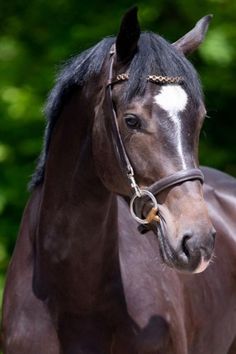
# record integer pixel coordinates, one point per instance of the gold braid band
(165, 79)
(157, 79)
(122, 77)
(118, 78)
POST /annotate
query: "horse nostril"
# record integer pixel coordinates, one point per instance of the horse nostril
(212, 237)
(195, 246)
(195, 249)
(213, 234)
(185, 246)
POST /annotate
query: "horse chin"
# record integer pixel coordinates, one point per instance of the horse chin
(202, 266)
(179, 260)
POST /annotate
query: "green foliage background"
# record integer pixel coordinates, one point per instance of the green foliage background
(36, 36)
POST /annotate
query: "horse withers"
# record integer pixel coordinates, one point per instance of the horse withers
(123, 123)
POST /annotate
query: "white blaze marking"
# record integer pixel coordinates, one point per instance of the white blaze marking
(173, 99)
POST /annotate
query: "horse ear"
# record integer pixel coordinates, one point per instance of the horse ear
(191, 41)
(128, 36)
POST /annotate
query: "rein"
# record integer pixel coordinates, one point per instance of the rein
(162, 184)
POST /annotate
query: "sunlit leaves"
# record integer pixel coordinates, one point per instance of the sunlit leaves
(9, 48)
(218, 48)
(21, 103)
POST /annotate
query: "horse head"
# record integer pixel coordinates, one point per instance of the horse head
(148, 118)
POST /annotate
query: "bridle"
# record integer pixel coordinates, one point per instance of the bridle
(126, 166)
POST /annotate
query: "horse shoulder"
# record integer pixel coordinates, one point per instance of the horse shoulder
(220, 195)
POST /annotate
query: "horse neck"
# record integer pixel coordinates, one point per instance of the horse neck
(78, 214)
(70, 175)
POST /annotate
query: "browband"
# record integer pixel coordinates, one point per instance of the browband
(156, 79)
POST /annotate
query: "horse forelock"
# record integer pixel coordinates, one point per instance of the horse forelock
(154, 56)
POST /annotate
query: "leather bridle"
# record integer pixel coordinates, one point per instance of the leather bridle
(126, 166)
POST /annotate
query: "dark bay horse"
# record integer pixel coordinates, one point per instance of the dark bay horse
(123, 125)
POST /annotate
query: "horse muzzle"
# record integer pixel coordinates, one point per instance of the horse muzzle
(186, 244)
(181, 223)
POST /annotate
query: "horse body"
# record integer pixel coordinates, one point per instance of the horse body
(145, 308)
(82, 279)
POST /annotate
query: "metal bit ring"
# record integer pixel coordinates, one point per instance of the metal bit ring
(143, 193)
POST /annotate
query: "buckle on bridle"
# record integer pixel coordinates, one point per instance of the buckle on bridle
(134, 185)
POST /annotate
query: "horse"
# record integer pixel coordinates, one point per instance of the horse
(91, 274)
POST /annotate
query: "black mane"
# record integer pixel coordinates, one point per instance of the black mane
(154, 56)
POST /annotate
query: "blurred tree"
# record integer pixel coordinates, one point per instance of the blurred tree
(37, 36)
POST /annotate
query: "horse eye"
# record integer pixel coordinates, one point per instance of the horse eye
(133, 122)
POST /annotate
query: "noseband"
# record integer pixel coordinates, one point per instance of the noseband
(149, 193)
